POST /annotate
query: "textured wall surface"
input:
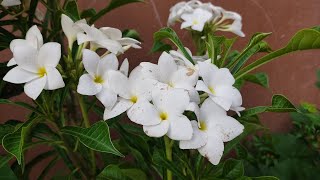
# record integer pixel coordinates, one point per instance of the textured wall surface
(293, 75)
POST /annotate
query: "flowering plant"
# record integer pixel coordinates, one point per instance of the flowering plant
(181, 102)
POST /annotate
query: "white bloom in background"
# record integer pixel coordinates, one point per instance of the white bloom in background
(170, 75)
(116, 34)
(218, 84)
(132, 91)
(180, 8)
(213, 128)
(36, 68)
(196, 20)
(33, 39)
(8, 3)
(166, 113)
(70, 28)
(96, 81)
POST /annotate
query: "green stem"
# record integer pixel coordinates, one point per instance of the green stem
(168, 145)
(87, 125)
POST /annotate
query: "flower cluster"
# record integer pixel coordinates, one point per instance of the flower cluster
(196, 15)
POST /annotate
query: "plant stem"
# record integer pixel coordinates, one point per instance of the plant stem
(168, 145)
(87, 125)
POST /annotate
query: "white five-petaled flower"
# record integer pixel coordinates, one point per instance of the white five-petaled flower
(132, 91)
(70, 28)
(218, 84)
(180, 8)
(33, 38)
(170, 75)
(8, 3)
(213, 128)
(166, 115)
(96, 81)
(196, 20)
(36, 68)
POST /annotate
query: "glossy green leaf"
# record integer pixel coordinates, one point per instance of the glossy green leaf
(279, 104)
(160, 47)
(112, 5)
(112, 172)
(168, 33)
(5, 129)
(304, 40)
(228, 43)
(88, 13)
(71, 9)
(97, 137)
(233, 169)
(131, 33)
(258, 78)
(214, 45)
(7, 174)
(4, 160)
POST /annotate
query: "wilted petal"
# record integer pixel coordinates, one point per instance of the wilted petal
(87, 86)
(34, 88)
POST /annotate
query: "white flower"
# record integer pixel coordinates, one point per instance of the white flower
(180, 8)
(170, 75)
(212, 129)
(196, 20)
(218, 84)
(116, 34)
(8, 3)
(166, 115)
(96, 81)
(36, 68)
(33, 38)
(70, 28)
(132, 91)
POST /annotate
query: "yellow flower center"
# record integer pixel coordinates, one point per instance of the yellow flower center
(195, 22)
(171, 84)
(163, 116)
(211, 90)
(98, 79)
(134, 99)
(203, 126)
(42, 71)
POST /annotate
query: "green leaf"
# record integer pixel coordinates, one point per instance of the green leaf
(214, 46)
(88, 13)
(97, 137)
(7, 174)
(279, 104)
(112, 5)
(241, 151)
(4, 160)
(71, 9)
(112, 172)
(265, 178)
(134, 174)
(304, 40)
(47, 169)
(228, 43)
(159, 46)
(259, 78)
(233, 169)
(168, 33)
(131, 33)
(5, 129)
(252, 48)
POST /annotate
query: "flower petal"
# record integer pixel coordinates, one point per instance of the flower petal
(225, 96)
(206, 71)
(109, 62)
(17, 75)
(107, 97)
(112, 33)
(118, 109)
(34, 37)
(26, 57)
(158, 130)
(213, 150)
(201, 86)
(111, 45)
(90, 61)
(167, 67)
(180, 128)
(223, 77)
(54, 79)
(229, 127)
(50, 54)
(210, 109)
(173, 101)
(87, 86)
(34, 88)
(194, 96)
(199, 138)
(124, 68)
(8, 3)
(19, 42)
(184, 78)
(119, 84)
(144, 113)
(150, 70)
(11, 62)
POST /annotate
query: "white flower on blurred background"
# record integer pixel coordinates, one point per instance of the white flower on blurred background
(220, 19)
(170, 75)
(70, 28)
(166, 113)
(132, 91)
(108, 38)
(218, 84)
(196, 20)
(8, 3)
(96, 81)
(36, 68)
(33, 39)
(213, 128)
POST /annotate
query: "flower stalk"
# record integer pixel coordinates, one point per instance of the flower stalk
(168, 145)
